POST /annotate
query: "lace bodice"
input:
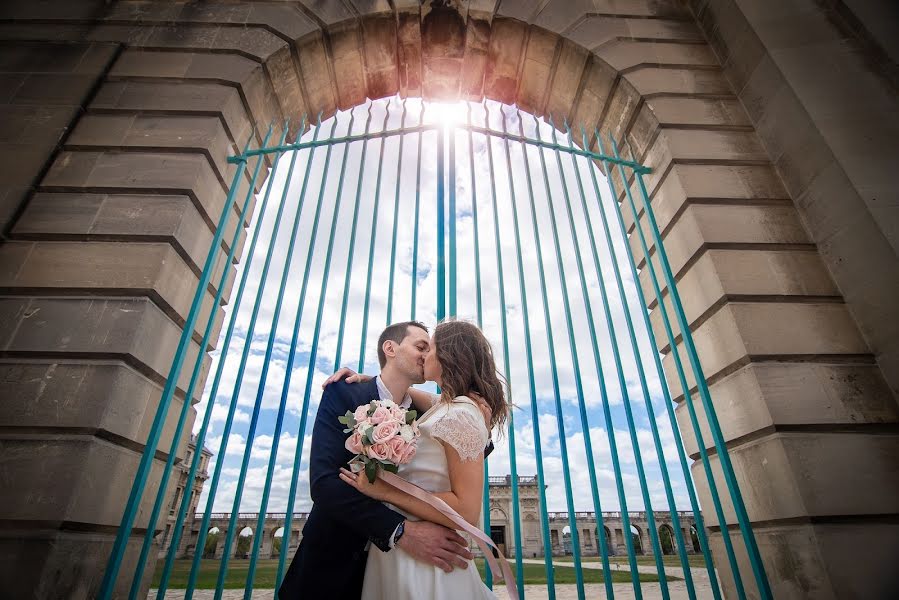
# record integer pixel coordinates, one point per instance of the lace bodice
(459, 425)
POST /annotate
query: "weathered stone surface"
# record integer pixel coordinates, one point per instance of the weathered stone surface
(720, 276)
(827, 560)
(816, 475)
(110, 268)
(507, 43)
(132, 329)
(536, 72)
(764, 395)
(122, 218)
(104, 396)
(741, 332)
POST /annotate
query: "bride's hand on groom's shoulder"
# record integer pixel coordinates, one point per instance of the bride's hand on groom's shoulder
(350, 375)
(485, 408)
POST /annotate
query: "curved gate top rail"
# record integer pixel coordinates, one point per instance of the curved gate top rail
(533, 190)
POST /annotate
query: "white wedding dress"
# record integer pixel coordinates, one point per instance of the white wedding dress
(395, 575)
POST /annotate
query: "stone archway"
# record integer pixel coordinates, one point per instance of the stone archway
(99, 254)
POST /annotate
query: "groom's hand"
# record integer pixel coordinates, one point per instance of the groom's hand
(436, 545)
(350, 375)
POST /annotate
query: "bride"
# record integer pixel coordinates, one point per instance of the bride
(448, 463)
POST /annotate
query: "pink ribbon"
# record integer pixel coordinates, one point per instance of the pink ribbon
(484, 542)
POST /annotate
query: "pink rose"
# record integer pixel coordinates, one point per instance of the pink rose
(354, 443)
(397, 447)
(408, 454)
(385, 431)
(398, 413)
(380, 415)
(361, 413)
(378, 451)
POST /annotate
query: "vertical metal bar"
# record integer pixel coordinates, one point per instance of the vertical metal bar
(681, 453)
(485, 494)
(233, 405)
(535, 420)
(516, 509)
(441, 238)
(582, 410)
(352, 249)
(374, 235)
(201, 436)
(291, 357)
(185, 407)
(415, 225)
(279, 421)
(758, 568)
(241, 369)
(653, 427)
(563, 442)
(716, 501)
(146, 461)
(452, 220)
(396, 220)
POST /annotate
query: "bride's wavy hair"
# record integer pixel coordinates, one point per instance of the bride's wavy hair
(466, 359)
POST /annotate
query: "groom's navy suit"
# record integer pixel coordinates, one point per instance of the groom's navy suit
(330, 562)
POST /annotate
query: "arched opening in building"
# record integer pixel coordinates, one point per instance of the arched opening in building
(244, 543)
(666, 539)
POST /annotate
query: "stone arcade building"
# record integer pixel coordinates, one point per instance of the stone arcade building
(770, 127)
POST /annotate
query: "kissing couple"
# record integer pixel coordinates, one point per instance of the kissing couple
(373, 540)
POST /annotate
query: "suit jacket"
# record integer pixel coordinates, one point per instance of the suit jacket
(330, 562)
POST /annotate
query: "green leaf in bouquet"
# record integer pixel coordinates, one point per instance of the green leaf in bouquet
(371, 470)
(411, 415)
(366, 437)
(348, 419)
(392, 468)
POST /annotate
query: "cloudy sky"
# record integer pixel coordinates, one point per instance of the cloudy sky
(474, 193)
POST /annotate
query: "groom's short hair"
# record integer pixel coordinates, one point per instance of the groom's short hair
(396, 332)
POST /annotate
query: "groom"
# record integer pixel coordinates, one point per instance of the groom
(330, 562)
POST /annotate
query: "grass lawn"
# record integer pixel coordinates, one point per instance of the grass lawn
(694, 560)
(265, 574)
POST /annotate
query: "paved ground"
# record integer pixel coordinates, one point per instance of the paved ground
(622, 591)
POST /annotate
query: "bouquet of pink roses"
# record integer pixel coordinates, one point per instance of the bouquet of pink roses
(382, 434)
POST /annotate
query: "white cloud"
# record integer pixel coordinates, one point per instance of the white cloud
(344, 303)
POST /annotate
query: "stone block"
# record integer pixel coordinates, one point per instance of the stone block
(39, 563)
(103, 397)
(54, 89)
(507, 44)
(34, 124)
(316, 75)
(177, 98)
(81, 465)
(826, 560)
(626, 54)
(109, 268)
(651, 80)
(760, 396)
(597, 82)
(183, 133)
(703, 225)
(408, 35)
(349, 75)
(720, 276)
(566, 77)
(740, 332)
(379, 51)
(131, 329)
(684, 183)
(477, 43)
(122, 218)
(536, 73)
(142, 172)
(808, 475)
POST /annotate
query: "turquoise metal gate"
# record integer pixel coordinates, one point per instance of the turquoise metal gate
(530, 199)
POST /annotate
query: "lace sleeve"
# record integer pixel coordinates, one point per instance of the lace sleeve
(462, 427)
